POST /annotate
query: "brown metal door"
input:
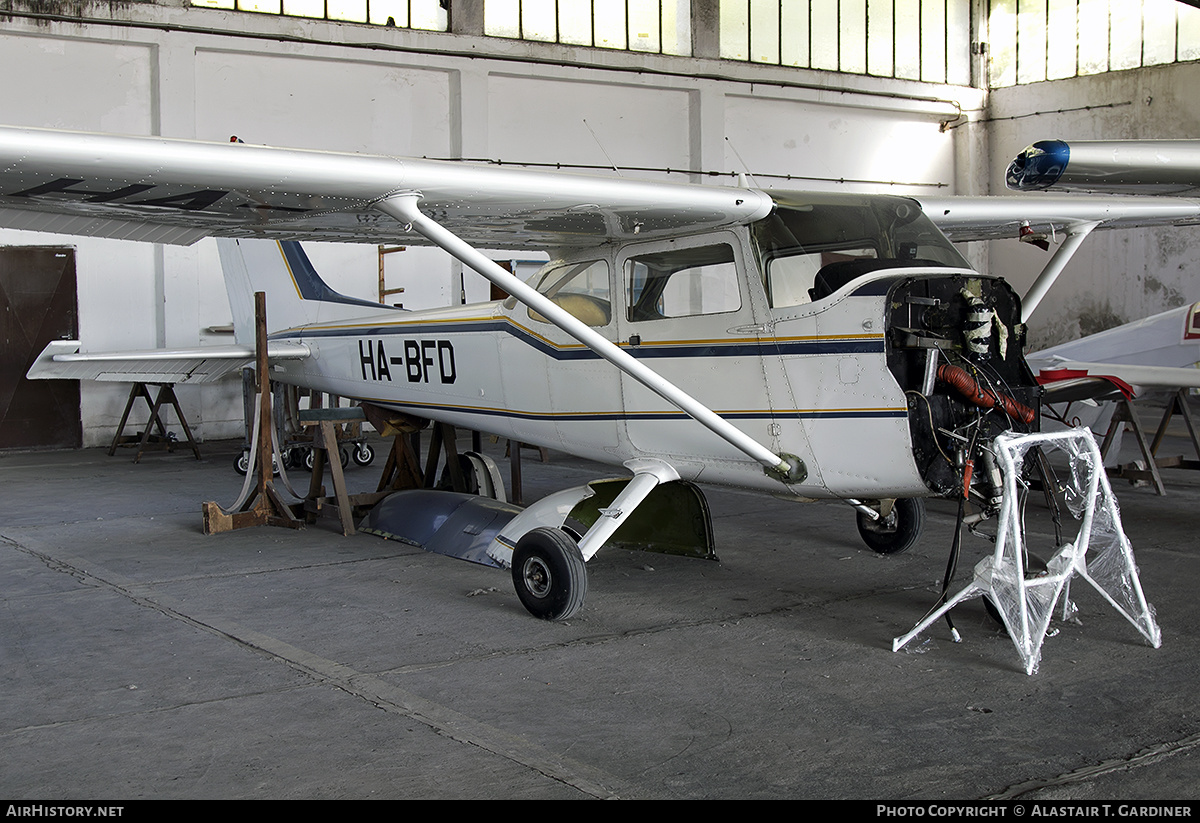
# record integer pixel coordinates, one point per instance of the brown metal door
(37, 305)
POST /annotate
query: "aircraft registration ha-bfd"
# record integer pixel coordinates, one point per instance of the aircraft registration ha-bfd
(805, 345)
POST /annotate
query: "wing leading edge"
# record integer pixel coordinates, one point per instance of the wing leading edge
(997, 217)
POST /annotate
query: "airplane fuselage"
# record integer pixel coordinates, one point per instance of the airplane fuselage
(483, 368)
(822, 375)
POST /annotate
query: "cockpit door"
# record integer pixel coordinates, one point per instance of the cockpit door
(687, 311)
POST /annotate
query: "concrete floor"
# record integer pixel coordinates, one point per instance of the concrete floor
(142, 659)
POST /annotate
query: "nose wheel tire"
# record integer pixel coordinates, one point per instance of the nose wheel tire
(896, 532)
(549, 575)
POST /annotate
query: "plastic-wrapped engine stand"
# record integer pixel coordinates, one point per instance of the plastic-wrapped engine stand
(1100, 553)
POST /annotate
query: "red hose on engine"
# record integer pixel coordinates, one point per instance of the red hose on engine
(966, 385)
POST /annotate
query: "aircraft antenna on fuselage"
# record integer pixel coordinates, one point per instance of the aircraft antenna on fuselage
(602, 149)
(745, 178)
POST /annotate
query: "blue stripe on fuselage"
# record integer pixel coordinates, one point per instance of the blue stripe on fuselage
(757, 414)
(683, 348)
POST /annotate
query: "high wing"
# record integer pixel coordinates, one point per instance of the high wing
(1121, 167)
(1006, 216)
(1114, 166)
(177, 191)
(1040, 219)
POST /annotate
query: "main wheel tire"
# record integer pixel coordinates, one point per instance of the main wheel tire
(309, 459)
(364, 454)
(896, 532)
(549, 575)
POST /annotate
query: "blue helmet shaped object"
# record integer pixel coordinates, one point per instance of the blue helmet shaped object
(1039, 166)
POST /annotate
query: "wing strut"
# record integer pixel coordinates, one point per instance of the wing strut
(1058, 261)
(403, 207)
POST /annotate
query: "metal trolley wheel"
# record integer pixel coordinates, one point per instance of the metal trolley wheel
(343, 456)
(363, 454)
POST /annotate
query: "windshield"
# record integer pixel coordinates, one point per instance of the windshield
(580, 288)
(812, 245)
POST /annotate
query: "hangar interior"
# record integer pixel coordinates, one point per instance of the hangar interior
(902, 96)
(144, 659)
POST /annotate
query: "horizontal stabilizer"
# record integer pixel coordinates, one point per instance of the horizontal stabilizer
(1075, 385)
(62, 360)
(442, 522)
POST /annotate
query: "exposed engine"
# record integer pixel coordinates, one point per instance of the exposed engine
(955, 345)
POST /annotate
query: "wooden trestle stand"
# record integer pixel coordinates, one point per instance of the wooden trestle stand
(1148, 470)
(154, 436)
(264, 507)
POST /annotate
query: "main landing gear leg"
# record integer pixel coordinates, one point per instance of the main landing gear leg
(548, 565)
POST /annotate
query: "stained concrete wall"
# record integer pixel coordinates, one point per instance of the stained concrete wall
(1115, 277)
(185, 72)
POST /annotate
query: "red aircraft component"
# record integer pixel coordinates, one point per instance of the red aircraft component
(985, 398)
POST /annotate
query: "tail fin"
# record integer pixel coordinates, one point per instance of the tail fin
(296, 294)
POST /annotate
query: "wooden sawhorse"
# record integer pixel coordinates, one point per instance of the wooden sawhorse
(147, 438)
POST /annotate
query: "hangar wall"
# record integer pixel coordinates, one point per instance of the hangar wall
(191, 72)
(1115, 277)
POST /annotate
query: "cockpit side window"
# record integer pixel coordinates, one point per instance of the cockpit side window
(582, 289)
(790, 277)
(682, 283)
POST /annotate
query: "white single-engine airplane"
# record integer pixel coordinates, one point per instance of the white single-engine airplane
(805, 345)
